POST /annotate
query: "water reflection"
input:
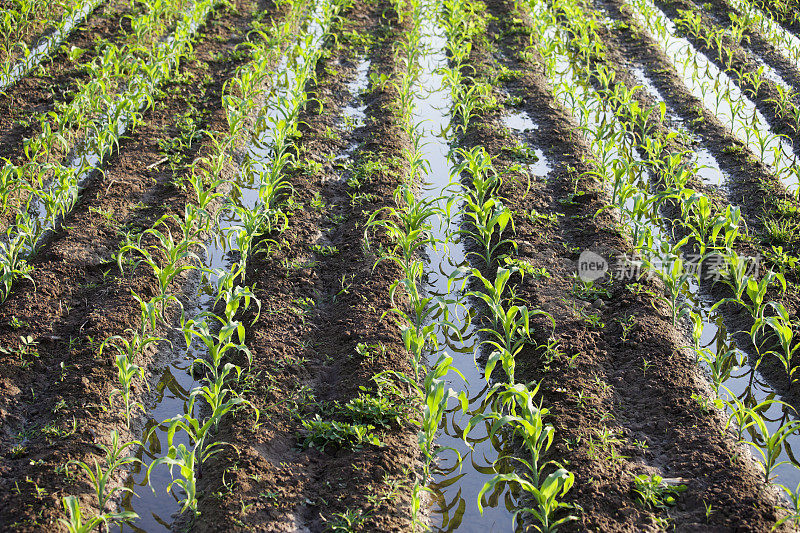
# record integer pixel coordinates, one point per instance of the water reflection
(748, 386)
(172, 393)
(461, 471)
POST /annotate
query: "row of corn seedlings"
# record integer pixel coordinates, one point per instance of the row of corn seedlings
(188, 436)
(459, 474)
(720, 94)
(409, 225)
(242, 230)
(428, 319)
(749, 81)
(120, 112)
(510, 407)
(708, 231)
(752, 18)
(20, 57)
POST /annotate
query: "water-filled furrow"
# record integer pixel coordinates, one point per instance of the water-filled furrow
(455, 483)
(47, 44)
(771, 74)
(353, 114)
(536, 164)
(785, 41)
(708, 167)
(155, 510)
(719, 93)
(746, 383)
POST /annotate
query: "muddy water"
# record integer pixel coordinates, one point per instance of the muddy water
(156, 509)
(455, 483)
(745, 382)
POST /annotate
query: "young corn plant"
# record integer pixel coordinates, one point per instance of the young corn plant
(127, 370)
(101, 479)
(514, 408)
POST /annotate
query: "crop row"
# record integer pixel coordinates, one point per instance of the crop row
(17, 57)
(707, 231)
(221, 335)
(511, 404)
(515, 406)
(168, 257)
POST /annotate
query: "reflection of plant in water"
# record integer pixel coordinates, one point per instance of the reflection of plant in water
(543, 481)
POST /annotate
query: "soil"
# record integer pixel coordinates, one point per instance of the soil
(622, 403)
(56, 405)
(306, 363)
(597, 384)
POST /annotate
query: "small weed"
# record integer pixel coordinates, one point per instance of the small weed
(651, 492)
(540, 218)
(588, 290)
(321, 433)
(628, 324)
(780, 230)
(348, 521)
(324, 250)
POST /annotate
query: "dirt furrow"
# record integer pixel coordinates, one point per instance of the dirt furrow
(621, 399)
(322, 333)
(78, 298)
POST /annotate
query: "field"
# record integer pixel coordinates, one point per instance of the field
(399, 265)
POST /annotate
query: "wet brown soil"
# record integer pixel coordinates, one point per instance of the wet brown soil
(306, 358)
(622, 405)
(56, 406)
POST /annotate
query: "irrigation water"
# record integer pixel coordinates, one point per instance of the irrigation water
(156, 511)
(745, 382)
(456, 483)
